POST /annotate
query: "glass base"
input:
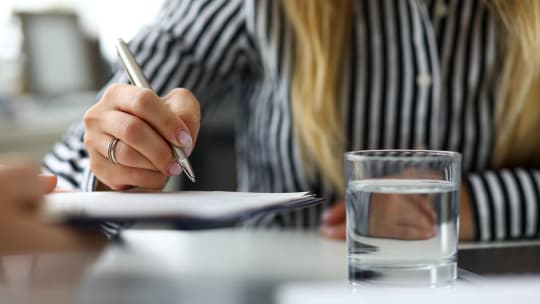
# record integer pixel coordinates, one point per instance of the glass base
(420, 275)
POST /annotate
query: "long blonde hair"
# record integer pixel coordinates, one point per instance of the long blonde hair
(518, 104)
(322, 29)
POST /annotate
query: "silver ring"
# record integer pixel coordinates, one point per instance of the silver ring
(111, 150)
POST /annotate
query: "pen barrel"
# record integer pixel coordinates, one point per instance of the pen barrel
(134, 72)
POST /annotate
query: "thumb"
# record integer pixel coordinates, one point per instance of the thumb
(48, 182)
(186, 106)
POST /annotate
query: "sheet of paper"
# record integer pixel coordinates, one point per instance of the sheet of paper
(202, 204)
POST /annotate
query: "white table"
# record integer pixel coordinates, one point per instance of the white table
(217, 266)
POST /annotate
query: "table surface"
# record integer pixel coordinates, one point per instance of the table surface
(224, 266)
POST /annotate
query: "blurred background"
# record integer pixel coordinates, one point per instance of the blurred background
(54, 57)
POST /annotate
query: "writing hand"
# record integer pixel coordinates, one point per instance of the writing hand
(144, 123)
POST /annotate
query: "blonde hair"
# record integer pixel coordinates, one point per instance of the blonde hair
(322, 28)
(518, 104)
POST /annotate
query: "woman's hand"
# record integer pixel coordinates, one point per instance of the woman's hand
(144, 123)
(334, 219)
(396, 216)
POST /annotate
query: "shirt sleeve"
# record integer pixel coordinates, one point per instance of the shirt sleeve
(505, 203)
(202, 45)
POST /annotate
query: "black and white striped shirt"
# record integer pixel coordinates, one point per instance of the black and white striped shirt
(422, 74)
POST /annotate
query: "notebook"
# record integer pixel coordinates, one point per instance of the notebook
(186, 209)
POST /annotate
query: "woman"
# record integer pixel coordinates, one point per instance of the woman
(313, 78)
(21, 229)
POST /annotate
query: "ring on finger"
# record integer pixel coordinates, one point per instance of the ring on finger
(111, 150)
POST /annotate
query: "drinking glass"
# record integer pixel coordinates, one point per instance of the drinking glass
(402, 216)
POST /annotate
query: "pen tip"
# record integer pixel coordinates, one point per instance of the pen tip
(190, 175)
(187, 170)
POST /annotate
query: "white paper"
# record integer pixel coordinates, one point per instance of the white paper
(202, 204)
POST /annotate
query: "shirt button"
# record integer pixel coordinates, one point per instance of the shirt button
(423, 80)
(441, 9)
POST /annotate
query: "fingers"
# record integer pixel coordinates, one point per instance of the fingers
(145, 125)
(19, 186)
(334, 222)
(336, 232)
(125, 155)
(143, 142)
(405, 232)
(48, 183)
(423, 204)
(400, 216)
(185, 105)
(146, 105)
(334, 215)
(411, 215)
(121, 177)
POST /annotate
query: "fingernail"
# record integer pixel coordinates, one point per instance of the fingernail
(184, 139)
(175, 169)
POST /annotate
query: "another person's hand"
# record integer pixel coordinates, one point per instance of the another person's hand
(21, 188)
(396, 216)
(21, 228)
(144, 123)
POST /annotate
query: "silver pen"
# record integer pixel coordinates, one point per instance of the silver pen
(136, 77)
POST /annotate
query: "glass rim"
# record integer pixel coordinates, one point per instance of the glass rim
(425, 155)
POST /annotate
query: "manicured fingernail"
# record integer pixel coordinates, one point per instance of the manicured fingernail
(184, 139)
(175, 169)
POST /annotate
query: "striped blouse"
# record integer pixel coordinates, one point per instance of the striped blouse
(421, 74)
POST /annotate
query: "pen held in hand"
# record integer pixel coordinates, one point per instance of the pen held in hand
(136, 77)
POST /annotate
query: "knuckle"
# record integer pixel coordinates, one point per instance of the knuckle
(89, 117)
(110, 91)
(144, 99)
(131, 128)
(183, 93)
(87, 139)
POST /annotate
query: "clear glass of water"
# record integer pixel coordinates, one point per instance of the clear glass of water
(402, 216)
